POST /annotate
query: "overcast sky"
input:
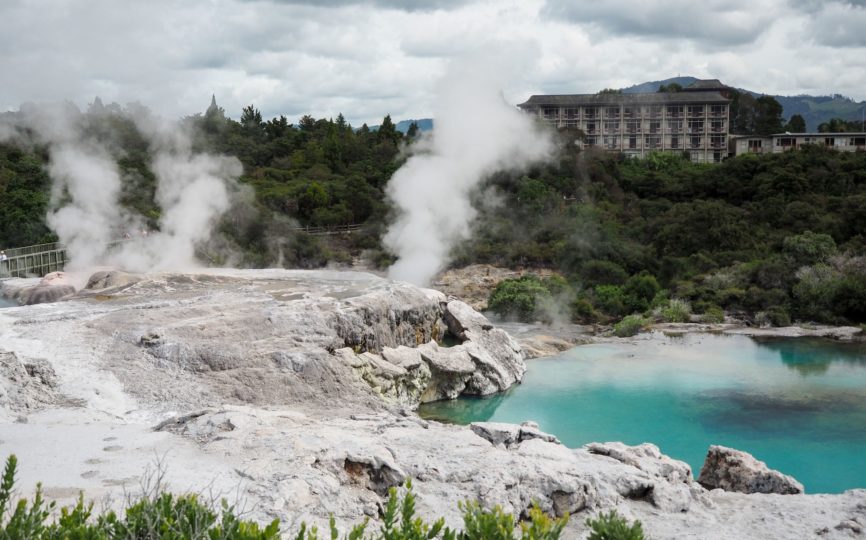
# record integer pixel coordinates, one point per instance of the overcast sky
(369, 58)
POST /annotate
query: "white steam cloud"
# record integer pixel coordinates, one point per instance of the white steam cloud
(193, 191)
(477, 133)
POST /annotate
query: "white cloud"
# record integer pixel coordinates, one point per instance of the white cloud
(369, 58)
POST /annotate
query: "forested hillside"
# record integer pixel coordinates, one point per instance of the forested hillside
(777, 237)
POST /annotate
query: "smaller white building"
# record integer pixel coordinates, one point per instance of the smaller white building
(781, 142)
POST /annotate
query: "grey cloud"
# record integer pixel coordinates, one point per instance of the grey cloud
(733, 22)
(839, 24)
(426, 5)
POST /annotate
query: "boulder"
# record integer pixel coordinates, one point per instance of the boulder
(461, 318)
(646, 457)
(498, 433)
(504, 435)
(734, 470)
(111, 279)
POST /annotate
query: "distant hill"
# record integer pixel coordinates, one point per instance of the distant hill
(424, 124)
(813, 109)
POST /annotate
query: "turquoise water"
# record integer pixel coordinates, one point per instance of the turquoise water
(797, 404)
(6, 303)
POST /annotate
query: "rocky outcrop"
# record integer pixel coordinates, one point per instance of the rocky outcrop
(487, 360)
(25, 386)
(510, 435)
(282, 337)
(734, 470)
(29, 291)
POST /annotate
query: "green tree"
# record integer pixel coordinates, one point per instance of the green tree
(387, 130)
(671, 88)
(796, 124)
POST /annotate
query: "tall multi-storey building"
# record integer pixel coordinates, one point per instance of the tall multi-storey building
(694, 120)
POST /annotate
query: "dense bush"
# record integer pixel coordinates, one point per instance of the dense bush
(713, 315)
(630, 325)
(158, 514)
(676, 311)
(530, 298)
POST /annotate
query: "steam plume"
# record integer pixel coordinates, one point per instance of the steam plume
(477, 133)
(193, 190)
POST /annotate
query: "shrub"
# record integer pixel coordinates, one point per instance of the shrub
(518, 297)
(582, 310)
(713, 315)
(778, 316)
(609, 299)
(809, 247)
(159, 514)
(639, 291)
(613, 527)
(597, 272)
(676, 311)
(629, 325)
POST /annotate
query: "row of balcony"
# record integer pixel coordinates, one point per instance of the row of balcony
(653, 144)
(551, 115)
(652, 131)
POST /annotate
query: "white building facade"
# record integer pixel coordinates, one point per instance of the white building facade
(695, 121)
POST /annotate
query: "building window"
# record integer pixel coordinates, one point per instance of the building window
(675, 142)
(696, 126)
(717, 141)
(612, 142)
(696, 110)
(590, 112)
(717, 157)
(633, 126)
(829, 141)
(611, 126)
(591, 141)
(654, 111)
(572, 113)
(675, 111)
(695, 157)
(675, 126)
(695, 142)
(550, 113)
(591, 127)
(718, 110)
(787, 141)
(755, 144)
(611, 112)
(655, 127)
(631, 112)
(572, 123)
(632, 142)
(857, 141)
(717, 126)
(652, 142)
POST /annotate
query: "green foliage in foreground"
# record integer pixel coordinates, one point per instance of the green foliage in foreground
(162, 515)
(613, 527)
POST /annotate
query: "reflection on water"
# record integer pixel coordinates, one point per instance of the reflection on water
(799, 405)
(814, 356)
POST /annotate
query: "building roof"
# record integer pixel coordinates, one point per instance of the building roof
(819, 134)
(660, 98)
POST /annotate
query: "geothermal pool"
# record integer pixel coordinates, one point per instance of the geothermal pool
(797, 404)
